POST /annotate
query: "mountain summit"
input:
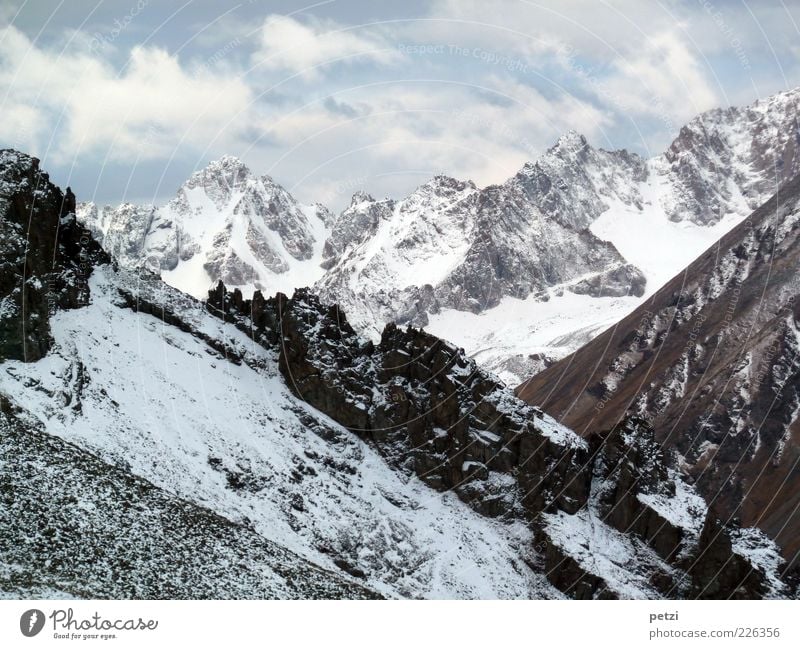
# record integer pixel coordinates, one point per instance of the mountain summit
(224, 223)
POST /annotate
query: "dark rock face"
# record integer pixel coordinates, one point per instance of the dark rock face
(45, 257)
(629, 463)
(571, 578)
(433, 413)
(719, 573)
(629, 474)
(425, 405)
(712, 362)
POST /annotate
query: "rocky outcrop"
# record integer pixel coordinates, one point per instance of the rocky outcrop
(629, 465)
(45, 256)
(424, 404)
(718, 572)
(431, 412)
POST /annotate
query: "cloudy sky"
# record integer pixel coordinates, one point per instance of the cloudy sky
(123, 99)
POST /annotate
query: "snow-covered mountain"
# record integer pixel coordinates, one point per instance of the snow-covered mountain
(158, 446)
(226, 224)
(659, 214)
(451, 246)
(519, 274)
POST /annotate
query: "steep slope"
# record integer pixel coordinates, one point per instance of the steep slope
(711, 360)
(72, 525)
(224, 223)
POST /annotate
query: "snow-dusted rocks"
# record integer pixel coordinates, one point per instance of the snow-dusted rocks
(610, 515)
(644, 533)
(45, 256)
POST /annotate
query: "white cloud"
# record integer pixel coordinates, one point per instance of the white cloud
(664, 80)
(638, 61)
(376, 111)
(76, 103)
(412, 130)
(298, 48)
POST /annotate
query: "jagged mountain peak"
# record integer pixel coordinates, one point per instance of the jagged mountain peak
(225, 164)
(730, 160)
(445, 182)
(219, 180)
(223, 223)
(361, 196)
(230, 171)
(571, 141)
(437, 194)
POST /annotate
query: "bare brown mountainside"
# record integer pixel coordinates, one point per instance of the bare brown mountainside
(711, 360)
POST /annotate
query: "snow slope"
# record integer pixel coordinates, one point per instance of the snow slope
(229, 436)
(73, 526)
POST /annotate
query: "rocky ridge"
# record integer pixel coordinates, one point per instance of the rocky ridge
(45, 256)
(431, 412)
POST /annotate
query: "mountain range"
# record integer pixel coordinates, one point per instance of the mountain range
(519, 274)
(155, 445)
(222, 439)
